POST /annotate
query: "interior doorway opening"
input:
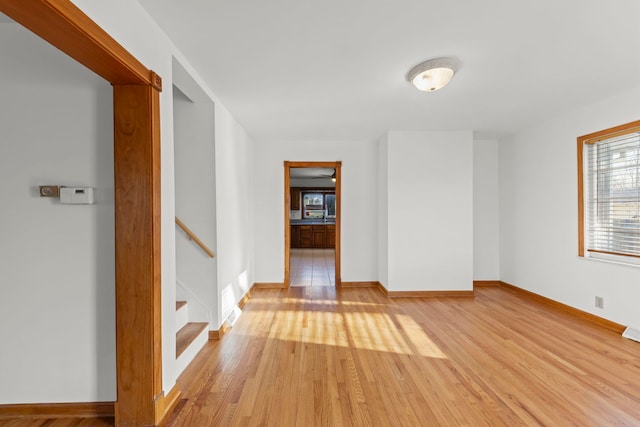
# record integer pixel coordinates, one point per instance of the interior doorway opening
(312, 223)
(313, 215)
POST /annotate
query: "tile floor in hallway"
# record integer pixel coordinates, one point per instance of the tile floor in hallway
(313, 267)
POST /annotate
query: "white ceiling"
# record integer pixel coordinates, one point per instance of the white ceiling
(311, 173)
(311, 177)
(335, 69)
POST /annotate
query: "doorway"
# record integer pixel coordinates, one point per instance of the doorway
(312, 195)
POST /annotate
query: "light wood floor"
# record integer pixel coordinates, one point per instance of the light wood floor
(317, 356)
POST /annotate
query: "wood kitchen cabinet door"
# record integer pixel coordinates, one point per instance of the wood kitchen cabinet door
(295, 199)
(295, 236)
(331, 236)
(319, 236)
(306, 236)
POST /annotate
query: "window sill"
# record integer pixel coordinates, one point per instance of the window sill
(613, 259)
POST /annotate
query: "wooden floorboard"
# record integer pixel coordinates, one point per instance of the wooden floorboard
(59, 422)
(352, 357)
(317, 356)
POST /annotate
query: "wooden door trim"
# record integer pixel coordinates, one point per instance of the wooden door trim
(137, 175)
(66, 27)
(337, 165)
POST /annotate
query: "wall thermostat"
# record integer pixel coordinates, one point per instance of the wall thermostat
(77, 195)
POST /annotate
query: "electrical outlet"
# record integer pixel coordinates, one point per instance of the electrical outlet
(599, 302)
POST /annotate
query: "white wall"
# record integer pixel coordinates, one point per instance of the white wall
(539, 216)
(235, 211)
(195, 180)
(430, 210)
(383, 211)
(359, 204)
(132, 26)
(486, 254)
(57, 299)
(93, 367)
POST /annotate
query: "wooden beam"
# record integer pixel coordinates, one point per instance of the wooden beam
(137, 217)
(287, 224)
(66, 27)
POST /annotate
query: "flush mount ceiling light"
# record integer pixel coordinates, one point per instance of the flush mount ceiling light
(433, 74)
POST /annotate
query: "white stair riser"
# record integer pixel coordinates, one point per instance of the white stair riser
(182, 317)
(190, 353)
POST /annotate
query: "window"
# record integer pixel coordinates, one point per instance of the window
(330, 202)
(609, 192)
(319, 204)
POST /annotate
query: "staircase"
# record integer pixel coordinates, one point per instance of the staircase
(190, 336)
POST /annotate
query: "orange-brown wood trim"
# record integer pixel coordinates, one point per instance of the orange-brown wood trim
(57, 410)
(243, 301)
(311, 164)
(216, 335)
(580, 197)
(424, 294)
(382, 288)
(269, 285)
(165, 404)
(485, 283)
(287, 212)
(592, 138)
(192, 236)
(65, 26)
(338, 247)
(137, 244)
(616, 327)
(225, 327)
(287, 225)
(613, 253)
(430, 294)
(359, 284)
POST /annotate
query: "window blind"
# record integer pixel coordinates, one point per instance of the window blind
(612, 194)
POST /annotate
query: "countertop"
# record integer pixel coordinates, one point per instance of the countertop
(312, 222)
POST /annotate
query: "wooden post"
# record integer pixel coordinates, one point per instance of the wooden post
(138, 290)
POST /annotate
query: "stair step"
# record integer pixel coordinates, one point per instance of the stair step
(182, 314)
(187, 335)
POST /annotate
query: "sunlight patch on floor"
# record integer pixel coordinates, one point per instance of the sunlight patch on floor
(422, 344)
(358, 330)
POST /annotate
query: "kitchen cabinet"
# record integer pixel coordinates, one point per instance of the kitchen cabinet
(306, 236)
(319, 236)
(295, 199)
(331, 236)
(313, 236)
(295, 236)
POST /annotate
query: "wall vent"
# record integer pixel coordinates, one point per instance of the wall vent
(632, 334)
(236, 312)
